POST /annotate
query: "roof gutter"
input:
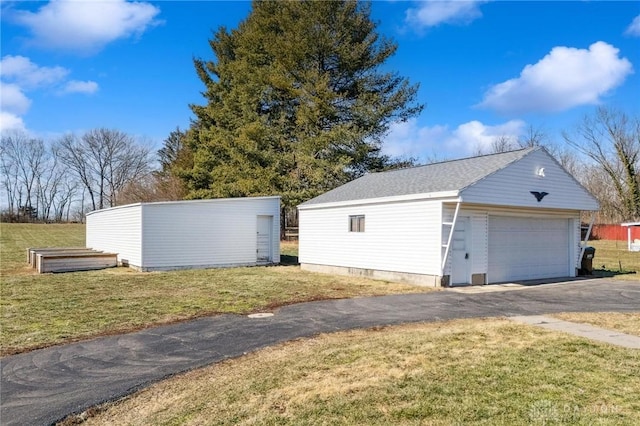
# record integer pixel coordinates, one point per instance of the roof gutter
(383, 200)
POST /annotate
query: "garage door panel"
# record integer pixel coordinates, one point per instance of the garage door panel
(524, 248)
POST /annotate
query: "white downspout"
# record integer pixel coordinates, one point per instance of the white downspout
(446, 250)
(586, 238)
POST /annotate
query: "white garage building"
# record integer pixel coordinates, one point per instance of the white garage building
(495, 218)
(189, 234)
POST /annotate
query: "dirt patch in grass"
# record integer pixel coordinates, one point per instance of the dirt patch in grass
(484, 372)
(628, 323)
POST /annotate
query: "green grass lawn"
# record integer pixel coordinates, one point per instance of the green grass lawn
(45, 309)
(613, 258)
(40, 310)
(481, 371)
(463, 372)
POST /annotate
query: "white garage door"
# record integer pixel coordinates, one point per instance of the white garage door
(525, 248)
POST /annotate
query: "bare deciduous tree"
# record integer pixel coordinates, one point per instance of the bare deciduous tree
(611, 139)
(105, 161)
(64, 199)
(534, 136)
(9, 171)
(569, 160)
(33, 180)
(24, 163)
(502, 143)
(54, 188)
(598, 182)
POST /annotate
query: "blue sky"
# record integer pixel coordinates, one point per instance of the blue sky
(486, 69)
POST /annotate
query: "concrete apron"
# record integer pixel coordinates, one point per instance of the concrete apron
(582, 330)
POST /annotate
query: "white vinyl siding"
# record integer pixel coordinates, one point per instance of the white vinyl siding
(408, 232)
(399, 237)
(117, 230)
(192, 234)
(512, 186)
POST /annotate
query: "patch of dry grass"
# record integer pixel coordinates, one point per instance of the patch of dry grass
(486, 372)
(628, 323)
(44, 309)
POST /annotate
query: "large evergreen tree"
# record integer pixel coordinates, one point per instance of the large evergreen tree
(297, 102)
(174, 157)
(174, 152)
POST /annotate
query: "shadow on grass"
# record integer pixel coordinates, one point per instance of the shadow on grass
(597, 273)
(606, 273)
(288, 260)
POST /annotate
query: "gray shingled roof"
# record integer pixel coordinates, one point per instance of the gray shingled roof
(446, 176)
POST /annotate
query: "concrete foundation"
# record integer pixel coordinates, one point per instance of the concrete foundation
(476, 279)
(401, 277)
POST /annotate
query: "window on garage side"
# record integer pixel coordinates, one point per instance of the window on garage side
(356, 223)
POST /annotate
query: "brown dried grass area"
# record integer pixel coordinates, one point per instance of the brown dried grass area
(486, 372)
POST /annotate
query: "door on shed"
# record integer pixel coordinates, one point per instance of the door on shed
(263, 239)
(461, 252)
(522, 248)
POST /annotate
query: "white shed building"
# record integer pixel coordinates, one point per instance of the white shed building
(495, 218)
(189, 234)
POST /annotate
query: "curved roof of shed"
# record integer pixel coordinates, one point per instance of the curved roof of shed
(445, 176)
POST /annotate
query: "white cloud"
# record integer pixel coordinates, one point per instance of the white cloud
(475, 136)
(13, 100)
(634, 28)
(75, 86)
(433, 12)
(86, 26)
(25, 73)
(10, 122)
(18, 76)
(407, 139)
(564, 78)
(411, 140)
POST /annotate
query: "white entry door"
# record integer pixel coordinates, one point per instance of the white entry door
(263, 249)
(461, 252)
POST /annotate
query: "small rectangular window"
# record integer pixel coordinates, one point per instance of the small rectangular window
(356, 223)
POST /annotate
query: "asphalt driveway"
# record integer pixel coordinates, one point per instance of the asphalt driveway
(43, 386)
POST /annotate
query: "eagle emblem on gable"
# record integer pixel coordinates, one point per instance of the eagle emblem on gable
(539, 195)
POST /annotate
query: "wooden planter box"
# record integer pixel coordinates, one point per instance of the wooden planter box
(70, 259)
(32, 252)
